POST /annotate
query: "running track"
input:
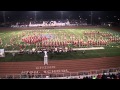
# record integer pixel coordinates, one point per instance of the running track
(70, 65)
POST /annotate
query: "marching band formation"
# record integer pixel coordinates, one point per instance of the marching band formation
(59, 39)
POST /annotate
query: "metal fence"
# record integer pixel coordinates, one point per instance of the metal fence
(80, 74)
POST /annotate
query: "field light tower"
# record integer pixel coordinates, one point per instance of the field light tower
(91, 17)
(61, 15)
(4, 17)
(35, 13)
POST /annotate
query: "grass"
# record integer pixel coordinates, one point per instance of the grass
(107, 52)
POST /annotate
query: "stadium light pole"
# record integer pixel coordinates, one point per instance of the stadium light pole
(99, 18)
(91, 17)
(61, 15)
(4, 17)
(35, 15)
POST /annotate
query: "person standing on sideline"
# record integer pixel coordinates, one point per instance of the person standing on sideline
(45, 58)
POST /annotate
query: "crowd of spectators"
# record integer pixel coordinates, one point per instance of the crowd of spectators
(104, 76)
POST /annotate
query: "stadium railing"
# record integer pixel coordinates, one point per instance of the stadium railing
(79, 75)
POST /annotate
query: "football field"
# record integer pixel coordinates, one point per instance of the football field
(71, 38)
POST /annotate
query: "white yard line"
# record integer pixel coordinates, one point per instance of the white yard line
(93, 48)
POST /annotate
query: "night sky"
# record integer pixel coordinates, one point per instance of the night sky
(102, 16)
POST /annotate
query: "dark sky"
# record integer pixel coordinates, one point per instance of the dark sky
(48, 15)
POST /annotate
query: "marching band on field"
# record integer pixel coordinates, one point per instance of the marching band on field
(60, 41)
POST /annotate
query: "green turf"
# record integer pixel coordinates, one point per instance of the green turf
(107, 52)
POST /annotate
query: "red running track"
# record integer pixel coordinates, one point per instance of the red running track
(70, 65)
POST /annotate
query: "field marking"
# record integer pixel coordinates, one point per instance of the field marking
(93, 48)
